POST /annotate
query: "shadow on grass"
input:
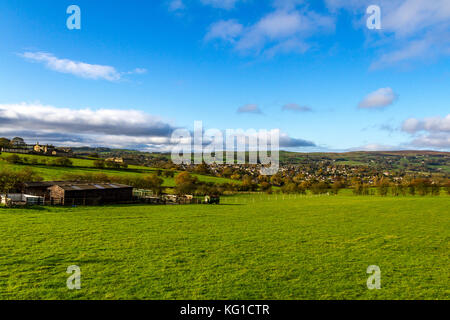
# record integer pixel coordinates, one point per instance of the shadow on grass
(36, 208)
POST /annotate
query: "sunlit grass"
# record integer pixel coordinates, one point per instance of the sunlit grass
(251, 247)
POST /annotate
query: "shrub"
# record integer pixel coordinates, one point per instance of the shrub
(112, 164)
(319, 188)
(336, 187)
(14, 180)
(266, 187)
(447, 187)
(289, 188)
(62, 162)
(383, 188)
(435, 189)
(13, 158)
(99, 163)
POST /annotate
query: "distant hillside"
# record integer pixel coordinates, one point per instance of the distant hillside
(423, 161)
(41, 165)
(410, 160)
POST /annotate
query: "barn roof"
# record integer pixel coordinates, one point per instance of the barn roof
(47, 184)
(92, 186)
(71, 185)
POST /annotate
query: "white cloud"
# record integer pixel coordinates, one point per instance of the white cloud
(287, 4)
(429, 132)
(76, 68)
(226, 30)
(101, 127)
(411, 125)
(279, 24)
(296, 107)
(265, 140)
(288, 142)
(176, 5)
(412, 50)
(282, 31)
(374, 147)
(221, 4)
(439, 141)
(50, 119)
(288, 46)
(380, 98)
(412, 29)
(250, 108)
(435, 124)
(138, 71)
(402, 17)
(408, 17)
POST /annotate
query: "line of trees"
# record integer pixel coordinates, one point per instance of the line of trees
(15, 142)
(13, 181)
(185, 183)
(421, 187)
(59, 162)
(102, 163)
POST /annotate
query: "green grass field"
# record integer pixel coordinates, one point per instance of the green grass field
(82, 166)
(250, 247)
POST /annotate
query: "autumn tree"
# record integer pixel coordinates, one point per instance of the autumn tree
(336, 187)
(266, 187)
(383, 187)
(435, 189)
(289, 188)
(447, 187)
(248, 184)
(185, 183)
(154, 183)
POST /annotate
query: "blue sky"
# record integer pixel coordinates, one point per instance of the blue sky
(136, 70)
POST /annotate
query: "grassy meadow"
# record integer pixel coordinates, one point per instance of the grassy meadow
(82, 166)
(249, 247)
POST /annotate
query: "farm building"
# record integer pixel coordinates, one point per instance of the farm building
(21, 199)
(51, 150)
(41, 188)
(18, 145)
(116, 160)
(77, 193)
(85, 194)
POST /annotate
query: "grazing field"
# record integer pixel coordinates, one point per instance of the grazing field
(83, 166)
(250, 247)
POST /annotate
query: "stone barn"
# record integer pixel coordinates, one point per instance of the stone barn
(41, 188)
(90, 193)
